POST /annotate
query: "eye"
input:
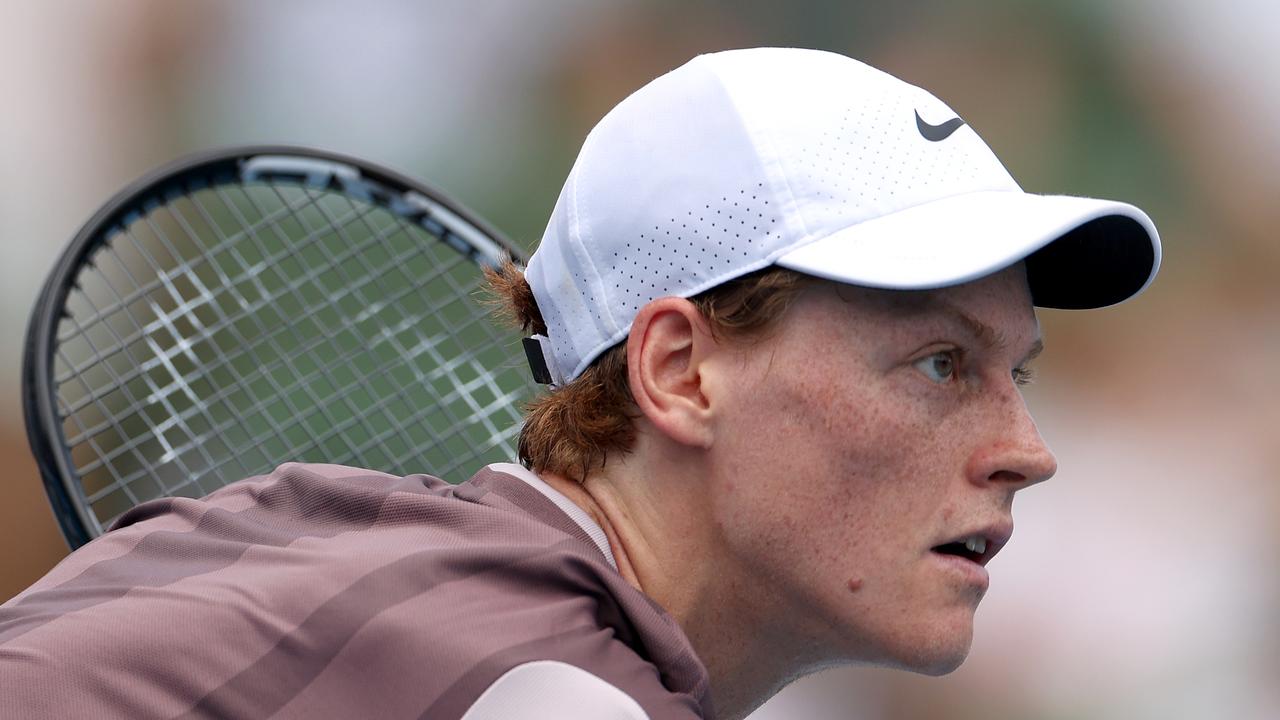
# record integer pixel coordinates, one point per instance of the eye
(939, 367)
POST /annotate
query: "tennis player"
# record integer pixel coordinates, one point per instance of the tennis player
(784, 304)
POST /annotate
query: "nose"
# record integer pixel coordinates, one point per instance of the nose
(1014, 454)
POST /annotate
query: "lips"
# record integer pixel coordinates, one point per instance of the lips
(978, 545)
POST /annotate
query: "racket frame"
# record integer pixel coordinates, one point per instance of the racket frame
(62, 483)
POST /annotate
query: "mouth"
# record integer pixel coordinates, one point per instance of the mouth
(977, 546)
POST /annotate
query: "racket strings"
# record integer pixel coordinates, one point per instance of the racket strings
(462, 389)
(141, 290)
(440, 365)
(154, 394)
(287, 358)
(154, 357)
(282, 323)
(146, 334)
(384, 298)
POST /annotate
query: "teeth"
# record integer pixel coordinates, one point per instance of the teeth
(976, 545)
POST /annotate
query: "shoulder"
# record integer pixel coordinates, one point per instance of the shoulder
(319, 590)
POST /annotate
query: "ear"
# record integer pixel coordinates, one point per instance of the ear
(666, 350)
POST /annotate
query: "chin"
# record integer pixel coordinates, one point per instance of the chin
(924, 641)
(933, 664)
(935, 655)
(941, 666)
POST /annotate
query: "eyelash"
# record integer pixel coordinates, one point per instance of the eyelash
(1023, 376)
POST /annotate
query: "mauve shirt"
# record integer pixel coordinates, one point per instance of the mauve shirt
(323, 591)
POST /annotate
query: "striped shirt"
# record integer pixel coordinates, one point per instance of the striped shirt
(323, 591)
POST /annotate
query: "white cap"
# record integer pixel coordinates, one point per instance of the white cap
(812, 161)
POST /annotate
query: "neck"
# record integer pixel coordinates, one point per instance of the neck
(663, 537)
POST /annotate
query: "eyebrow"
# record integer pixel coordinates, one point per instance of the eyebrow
(984, 333)
(921, 303)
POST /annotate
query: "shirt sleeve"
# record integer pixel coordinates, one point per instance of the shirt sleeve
(553, 690)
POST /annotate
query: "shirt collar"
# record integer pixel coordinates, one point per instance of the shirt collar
(567, 506)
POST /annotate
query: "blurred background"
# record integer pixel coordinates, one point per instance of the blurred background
(1143, 582)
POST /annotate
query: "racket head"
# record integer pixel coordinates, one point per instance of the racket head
(254, 305)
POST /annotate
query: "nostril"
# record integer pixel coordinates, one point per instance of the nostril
(1007, 476)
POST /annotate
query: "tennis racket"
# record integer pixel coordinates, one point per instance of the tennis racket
(257, 305)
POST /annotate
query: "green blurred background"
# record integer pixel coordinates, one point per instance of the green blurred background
(1143, 580)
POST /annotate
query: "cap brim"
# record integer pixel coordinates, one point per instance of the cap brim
(1080, 252)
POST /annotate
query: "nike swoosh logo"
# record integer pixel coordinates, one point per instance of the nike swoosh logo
(937, 133)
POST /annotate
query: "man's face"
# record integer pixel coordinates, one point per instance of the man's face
(859, 446)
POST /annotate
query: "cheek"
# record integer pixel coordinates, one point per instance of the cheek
(807, 425)
(844, 470)
(820, 466)
(783, 456)
(822, 442)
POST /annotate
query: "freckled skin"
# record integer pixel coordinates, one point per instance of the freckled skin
(837, 464)
(784, 494)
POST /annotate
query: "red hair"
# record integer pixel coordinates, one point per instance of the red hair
(571, 430)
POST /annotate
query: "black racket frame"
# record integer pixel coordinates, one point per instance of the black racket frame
(380, 185)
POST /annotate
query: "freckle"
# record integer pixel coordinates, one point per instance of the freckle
(855, 584)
